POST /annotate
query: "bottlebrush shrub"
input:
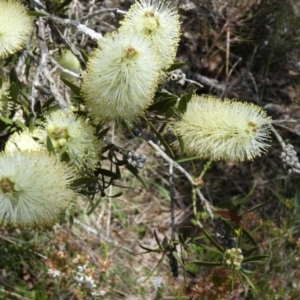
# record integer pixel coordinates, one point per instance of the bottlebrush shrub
(223, 130)
(159, 21)
(72, 135)
(121, 77)
(34, 188)
(15, 27)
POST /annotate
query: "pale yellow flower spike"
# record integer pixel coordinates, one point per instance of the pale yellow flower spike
(159, 20)
(223, 130)
(15, 27)
(73, 135)
(22, 142)
(34, 188)
(121, 79)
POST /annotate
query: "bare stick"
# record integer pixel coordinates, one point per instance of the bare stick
(169, 160)
(172, 195)
(102, 11)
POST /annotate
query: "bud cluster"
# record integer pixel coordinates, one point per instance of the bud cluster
(290, 159)
(233, 258)
(135, 159)
(178, 76)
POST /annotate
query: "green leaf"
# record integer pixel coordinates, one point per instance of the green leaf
(247, 279)
(182, 105)
(220, 248)
(107, 173)
(102, 133)
(250, 251)
(181, 143)
(157, 241)
(149, 249)
(175, 66)
(161, 139)
(50, 147)
(134, 171)
(84, 56)
(63, 5)
(81, 181)
(20, 124)
(210, 249)
(255, 258)
(48, 103)
(256, 207)
(162, 105)
(115, 196)
(13, 92)
(94, 206)
(250, 237)
(170, 112)
(178, 258)
(36, 13)
(6, 120)
(183, 233)
(206, 263)
(74, 88)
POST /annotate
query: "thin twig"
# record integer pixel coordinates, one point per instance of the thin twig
(80, 27)
(172, 195)
(102, 11)
(287, 128)
(279, 138)
(185, 173)
(56, 64)
(44, 72)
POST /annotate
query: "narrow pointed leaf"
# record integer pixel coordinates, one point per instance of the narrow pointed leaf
(220, 248)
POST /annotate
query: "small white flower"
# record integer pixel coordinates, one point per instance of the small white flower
(81, 268)
(89, 282)
(121, 77)
(79, 279)
(72, 135)
(15, 27)
(53, 273)
(34, 188)
(157, 282)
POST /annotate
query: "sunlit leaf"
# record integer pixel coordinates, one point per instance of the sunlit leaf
(175, 66)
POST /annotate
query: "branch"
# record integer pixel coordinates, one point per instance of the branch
(43, 71)
(102, 11)
(185, 173)
(80, 27)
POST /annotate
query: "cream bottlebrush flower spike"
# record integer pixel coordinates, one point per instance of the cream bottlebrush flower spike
(159, 20)
(73, 135)
(22, 142)
(223, 130)
(121, 78)
(34, 188)
(15, 27)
